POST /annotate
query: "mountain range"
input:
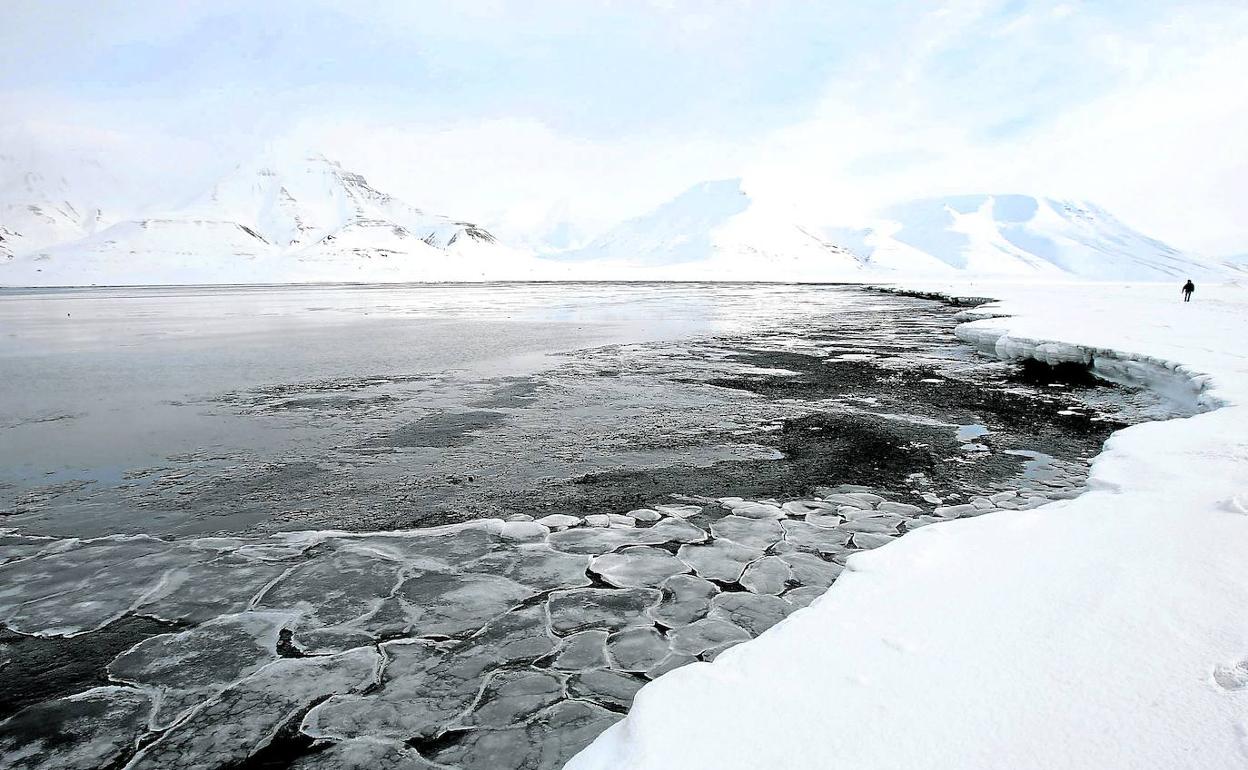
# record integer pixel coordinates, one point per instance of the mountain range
(309, 220)
(312, 220)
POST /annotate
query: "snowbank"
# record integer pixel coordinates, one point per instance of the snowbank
(1109, 631)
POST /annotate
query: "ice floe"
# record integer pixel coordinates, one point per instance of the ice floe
(481, 645)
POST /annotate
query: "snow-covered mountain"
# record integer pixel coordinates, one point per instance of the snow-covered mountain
(43, 207)
(1018, 235)
(716, 229)
(307, 220)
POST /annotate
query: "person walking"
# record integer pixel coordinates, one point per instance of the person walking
(1188, 288)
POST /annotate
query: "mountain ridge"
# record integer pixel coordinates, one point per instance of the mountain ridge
(719, 228)
(306, 218)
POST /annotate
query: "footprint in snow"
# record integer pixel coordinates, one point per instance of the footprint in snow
(1231, 676)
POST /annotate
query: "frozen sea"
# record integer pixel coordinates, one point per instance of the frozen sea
(361, 526)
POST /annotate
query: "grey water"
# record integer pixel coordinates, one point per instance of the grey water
(198, 409)
(218, 505)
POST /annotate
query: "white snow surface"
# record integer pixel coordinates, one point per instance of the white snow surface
(720, 231)
(288, 220)
(1108, 631)
(305, 218)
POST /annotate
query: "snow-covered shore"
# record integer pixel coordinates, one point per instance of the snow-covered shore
(1109, 631)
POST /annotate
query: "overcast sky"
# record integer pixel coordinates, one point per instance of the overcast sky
(522, 114)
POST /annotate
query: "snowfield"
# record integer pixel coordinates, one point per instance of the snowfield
(1108, 631)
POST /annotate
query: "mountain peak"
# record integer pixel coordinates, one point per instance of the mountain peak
(298, 211)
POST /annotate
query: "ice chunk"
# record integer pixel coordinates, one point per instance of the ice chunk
(645, 514)
(867, 497)
(199, 592)
(244, 719)
(524, 531)
(365, 754)
(586, 649)
(871, 539)
(845, 499)
(637, 649)
(14, 547)
(810, 570)
(79, 586)
(333, 588)
(818, 539)
(768, 575)
(679, 511)
(754, 533)
(557, 521)
(805, 507)
(90, 730)
(322, 641)
(192, 666)
(546, 742)
(452, 604)
(721, 560)
(673, 661)
(637, 567)
(883, 524)
(824, 520)
(758, 511)
(901, 509)
(612, 609)
(424, 687)
(706, 634)
(754, 612)
(612, 689)
(519, 636)
(685, 599)
(511, 697)
(450, 546)
(954, 511)
(802, 597)
(537, 566)
(598, 541)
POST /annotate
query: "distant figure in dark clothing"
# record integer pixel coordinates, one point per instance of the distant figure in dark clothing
(1188, 288)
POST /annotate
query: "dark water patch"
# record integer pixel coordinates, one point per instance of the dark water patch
(449, 429)
(1033, 372)
(518, 392)
(44, 668)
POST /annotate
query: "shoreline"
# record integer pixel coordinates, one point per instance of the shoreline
(1050, 649)
(805, 545)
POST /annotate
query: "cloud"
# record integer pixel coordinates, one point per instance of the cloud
(524, 114)
(1159, 142)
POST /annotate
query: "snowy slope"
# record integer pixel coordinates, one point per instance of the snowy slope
(716, 229)
(1108, 631)
(1018, 235)
(39, 208)
(302, 220)
(299, 204)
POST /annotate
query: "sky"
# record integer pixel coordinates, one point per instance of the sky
(529, 115)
